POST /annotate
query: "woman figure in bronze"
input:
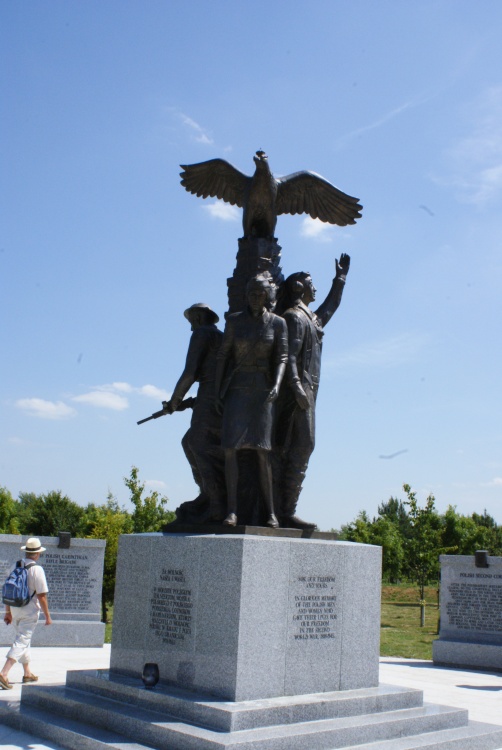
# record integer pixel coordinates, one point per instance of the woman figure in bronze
(251, 364)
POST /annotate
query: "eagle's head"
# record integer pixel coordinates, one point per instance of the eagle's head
(261, 160)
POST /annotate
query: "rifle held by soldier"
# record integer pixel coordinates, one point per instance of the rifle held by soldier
(188, 403)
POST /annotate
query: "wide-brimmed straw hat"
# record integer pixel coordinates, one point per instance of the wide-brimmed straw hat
(33, 544)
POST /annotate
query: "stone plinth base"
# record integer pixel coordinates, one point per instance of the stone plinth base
(66, 630)
(70, 633)
(467, 655)
(62, 633)
(244, 618)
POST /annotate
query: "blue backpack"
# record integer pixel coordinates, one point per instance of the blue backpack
(15, 590)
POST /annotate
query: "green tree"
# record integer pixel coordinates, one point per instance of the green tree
(387, 535)
(47, 515)
(484, 520)
(491, 538)
(382, 532)
(150, 512)
(8, 513)
(470, 533)
(423, 547)
(108, 522)
(358, 530)
(460, 532)
(395, 511)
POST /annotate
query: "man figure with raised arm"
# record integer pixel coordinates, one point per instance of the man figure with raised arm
(295, 426)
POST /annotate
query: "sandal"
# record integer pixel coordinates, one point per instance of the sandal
(4, 683)
(30, 678)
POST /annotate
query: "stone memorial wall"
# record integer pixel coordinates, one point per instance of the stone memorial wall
(75, 580)
(470, 613)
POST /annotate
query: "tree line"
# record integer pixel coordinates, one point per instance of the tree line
(413, 537)
(48, 514)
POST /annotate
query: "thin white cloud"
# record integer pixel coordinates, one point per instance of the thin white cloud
(473, 164)
(16, 441)
(222, 211)
(117, 387)
(495, 482)
(159, 394)
(315, 229)
(109, 396)
(121, 387)
(112, 395)
(155, 484)
(384, 119)
(103, 399)
(39, 407)
(199, 134)
(384, 353)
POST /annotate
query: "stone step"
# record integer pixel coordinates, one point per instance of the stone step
(151, 728)
(75, 735)
(474, 736)
(68, 733)
(224, 716)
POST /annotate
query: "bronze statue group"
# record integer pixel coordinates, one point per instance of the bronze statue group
(258, 384)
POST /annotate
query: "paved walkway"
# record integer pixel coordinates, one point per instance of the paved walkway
(479, 692)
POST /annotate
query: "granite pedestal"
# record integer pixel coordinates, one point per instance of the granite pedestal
(75, 580)
(471, 613)
(244, 618)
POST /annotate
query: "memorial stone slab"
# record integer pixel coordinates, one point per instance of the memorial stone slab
(245, 618)
(75, 579)
(471, 613)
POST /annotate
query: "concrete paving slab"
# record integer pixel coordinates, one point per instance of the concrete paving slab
(480, 692)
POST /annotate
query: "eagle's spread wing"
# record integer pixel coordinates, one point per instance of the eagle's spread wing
(215, 178)
(309, 193)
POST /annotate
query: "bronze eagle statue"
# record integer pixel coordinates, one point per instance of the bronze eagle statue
(264, 197)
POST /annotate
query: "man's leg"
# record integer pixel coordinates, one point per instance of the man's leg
(296, 459)
(232, 480)
(21, 648)
(185, 443)
(204, 445)
(4, 682)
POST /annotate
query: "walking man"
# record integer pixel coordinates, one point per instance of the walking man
(24, 619)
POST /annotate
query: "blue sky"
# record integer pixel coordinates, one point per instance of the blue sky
(101, 249)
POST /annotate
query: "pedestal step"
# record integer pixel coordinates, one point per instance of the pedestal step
(475, 736)
(69, 733)
(99, 711)
(226, 716)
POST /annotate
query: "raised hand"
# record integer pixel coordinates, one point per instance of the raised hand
(342, 265)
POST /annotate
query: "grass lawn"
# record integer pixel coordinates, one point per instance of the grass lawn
(400, 631)
(108, 626)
